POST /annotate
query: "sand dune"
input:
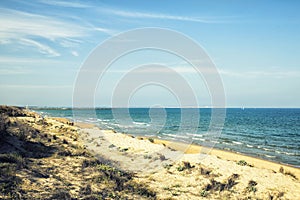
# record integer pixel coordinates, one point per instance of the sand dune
(50, 157)
(180, 171)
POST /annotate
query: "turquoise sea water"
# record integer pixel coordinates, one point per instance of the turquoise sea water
(272, 134)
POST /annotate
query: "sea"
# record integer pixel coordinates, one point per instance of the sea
(267, 133)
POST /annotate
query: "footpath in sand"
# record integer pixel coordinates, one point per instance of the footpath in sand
(173, 174)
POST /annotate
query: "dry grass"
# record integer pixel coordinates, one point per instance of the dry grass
(38, 161)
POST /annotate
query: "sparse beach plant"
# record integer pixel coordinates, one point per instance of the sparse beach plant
(203, 193)
(242, 162)
(180, 168)
(167, 166)
(251, 186)
(291, 174)
(185, 165)
(147, 156)
(162, 157)
(124, 149)
(281, 170)
(204, 171)
(151, 140)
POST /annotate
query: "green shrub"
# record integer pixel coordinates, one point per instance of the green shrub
(242, 163)
(151, 140)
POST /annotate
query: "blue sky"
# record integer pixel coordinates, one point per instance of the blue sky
(254, 44)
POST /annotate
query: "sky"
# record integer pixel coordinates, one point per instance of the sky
(253, 44)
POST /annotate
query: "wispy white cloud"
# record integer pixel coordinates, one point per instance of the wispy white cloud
(185, 69)
(10, 60)
(260, 73)
(134, 14)
(44, 49)
(14, 71)
(16, 24)
(75, 53)
(163, 69)
(65, 4)
(35, 86)
(105, 30)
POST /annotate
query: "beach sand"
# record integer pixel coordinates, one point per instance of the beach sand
(179, 171)
(161, 169)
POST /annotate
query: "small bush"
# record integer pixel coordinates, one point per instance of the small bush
(147, 156)
(61, 194)
(167, 166)
(251, 186)
(90, 163)
(242, 163)
(162, 157)
(218, 186)
(281, 170)
(203, 193)
(124, 149)
(291, 174)
(13, 158)
(186, 165)
(151, 140)
(205, 172)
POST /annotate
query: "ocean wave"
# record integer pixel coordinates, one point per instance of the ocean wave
(194, 135)
(289, 153)
(227, 143)
(175, 136)
(235, 142)
(248, 145)
(266, 149)
(103, 120)
(141, 123)
(269, 156)
(286, 153)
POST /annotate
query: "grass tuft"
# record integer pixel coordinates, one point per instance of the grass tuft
(251, 186)
(242, 162)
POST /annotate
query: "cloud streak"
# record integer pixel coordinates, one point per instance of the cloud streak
(260, 74)
(17, 23)
(65, 4)
(148, 15)
(44, 49)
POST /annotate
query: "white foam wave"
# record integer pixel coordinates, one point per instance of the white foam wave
(175, 136)
(266, 149)
(235, 142)
(269, 156)
(141, 123)
(194, 135)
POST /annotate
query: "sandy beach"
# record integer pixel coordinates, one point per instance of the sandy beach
(159, 169)
(179, 171)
